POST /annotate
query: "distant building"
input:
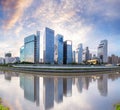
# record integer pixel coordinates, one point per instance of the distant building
(85, 55)
(74, 56)
(80, 53)
(8, 60)
(8, 54)
(48, 46)
(2, 60)
(113, 59)
(67, 52)
(103, 51)
(59, 49)
(32, 48)
(22, 54)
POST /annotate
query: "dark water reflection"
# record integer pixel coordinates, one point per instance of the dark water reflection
(34, 92)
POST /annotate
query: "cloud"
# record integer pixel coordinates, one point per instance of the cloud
(14, 11)
(74, 19)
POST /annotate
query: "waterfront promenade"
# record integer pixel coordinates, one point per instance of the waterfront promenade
(61, 69)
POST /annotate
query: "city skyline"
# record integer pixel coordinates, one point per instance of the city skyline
(80, 21)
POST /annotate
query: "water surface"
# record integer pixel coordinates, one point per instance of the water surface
(23, 91)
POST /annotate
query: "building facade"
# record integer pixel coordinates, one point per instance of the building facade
(67, 52)
(59, 49)
(103, 51)
(48, 46)
(32, 48)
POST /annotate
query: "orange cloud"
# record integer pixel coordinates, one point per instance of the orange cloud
(14, 10)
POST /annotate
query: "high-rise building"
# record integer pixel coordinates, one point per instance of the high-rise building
(103, 51)
(74, 56)
(32, 48)
(22, 54)
(85, 55)
(67, 52)
(59, 49)
(48, 46)
(80, 52)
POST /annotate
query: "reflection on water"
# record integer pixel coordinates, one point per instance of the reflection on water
(49, 92)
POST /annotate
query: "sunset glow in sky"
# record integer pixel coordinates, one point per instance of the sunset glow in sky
(82, 21)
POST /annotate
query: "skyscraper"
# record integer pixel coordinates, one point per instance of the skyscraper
(80, 52)
(48, 46)
(103, 51)
(59, 49)
(32, 48)
(67, 52)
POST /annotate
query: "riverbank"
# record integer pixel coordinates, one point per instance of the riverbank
(62, 69)
(3, 106)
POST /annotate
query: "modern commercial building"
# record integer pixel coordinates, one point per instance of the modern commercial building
(2, 60)
(22, 54)
(32, 48)
(103, 51)
(80, 53)
(67, 52)
(59, 49)
(74, 56)
(85, 55)
(113, 59)
(48, 46)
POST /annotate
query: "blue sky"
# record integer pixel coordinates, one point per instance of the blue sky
(82, 21)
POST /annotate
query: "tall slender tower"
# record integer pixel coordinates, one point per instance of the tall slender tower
(67, 55)
(32, 48)
(80, 52)
(48, 46)
(59, 49)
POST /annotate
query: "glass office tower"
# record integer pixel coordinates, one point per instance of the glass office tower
(80, 52)
(48, 46)
(67, 54)
(59, 49)
(32, 48)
